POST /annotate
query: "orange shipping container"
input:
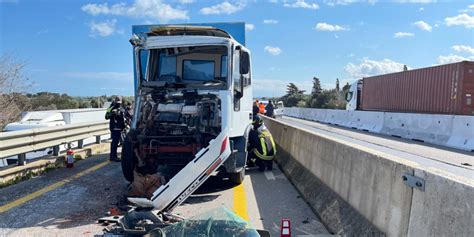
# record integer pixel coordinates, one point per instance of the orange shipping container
(445, 89)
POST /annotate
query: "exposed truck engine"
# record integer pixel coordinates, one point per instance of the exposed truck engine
(174, 126)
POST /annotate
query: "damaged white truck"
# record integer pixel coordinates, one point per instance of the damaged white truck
(192, 111)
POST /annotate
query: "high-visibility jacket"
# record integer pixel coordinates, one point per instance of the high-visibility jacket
(262, 144)
(261, 108)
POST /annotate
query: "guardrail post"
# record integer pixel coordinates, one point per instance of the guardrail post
(22, 159)
(56, 150)
(98, 139)
(80, 144)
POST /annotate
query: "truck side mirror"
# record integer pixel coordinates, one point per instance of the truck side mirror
(244, 62)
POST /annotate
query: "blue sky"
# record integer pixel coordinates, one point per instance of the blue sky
(81, 47)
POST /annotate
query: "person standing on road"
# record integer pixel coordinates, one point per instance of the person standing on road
(261, 108)
(255, 108)
(116, 114)
(262, 147)
(270, 109)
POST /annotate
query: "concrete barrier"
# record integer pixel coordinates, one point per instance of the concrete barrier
(359, 191)
(338, 117)
(445, 208)
(462, 135)
(292, 112)
(435, 129)
(367, 121)
(446, 130)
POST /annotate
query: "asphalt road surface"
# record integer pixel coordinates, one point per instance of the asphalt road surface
(68, 202)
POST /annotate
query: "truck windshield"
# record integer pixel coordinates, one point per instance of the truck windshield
(198, 70)
(196, 66)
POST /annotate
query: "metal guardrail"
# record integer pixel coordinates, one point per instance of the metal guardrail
(24, 141)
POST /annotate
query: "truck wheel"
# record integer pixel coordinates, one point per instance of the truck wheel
(237, 178)
(128, 160)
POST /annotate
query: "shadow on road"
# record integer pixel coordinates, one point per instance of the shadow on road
(278, 199)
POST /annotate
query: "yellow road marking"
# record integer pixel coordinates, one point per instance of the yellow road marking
(46, 189)
(240, 202)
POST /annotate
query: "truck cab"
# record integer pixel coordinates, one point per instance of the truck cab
(192, 87)
(353, 96)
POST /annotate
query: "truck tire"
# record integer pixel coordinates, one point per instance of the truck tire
(128, 160)
(237, 178)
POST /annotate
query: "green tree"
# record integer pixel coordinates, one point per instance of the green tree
(346, 87)
(293, 95)
(292, 89)
(337, 85)
(316, 90)
(301, 103)
(84, 104)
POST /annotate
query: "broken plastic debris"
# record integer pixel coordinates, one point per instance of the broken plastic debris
(217, 222)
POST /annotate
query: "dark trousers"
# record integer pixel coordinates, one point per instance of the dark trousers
(116, 136)
(262, 164)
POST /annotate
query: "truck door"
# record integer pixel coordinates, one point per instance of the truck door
(242, 92)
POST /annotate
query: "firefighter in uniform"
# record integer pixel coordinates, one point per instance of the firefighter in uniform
(115, 113)
(262, 147)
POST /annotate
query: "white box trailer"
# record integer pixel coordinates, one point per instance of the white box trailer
(52, 118)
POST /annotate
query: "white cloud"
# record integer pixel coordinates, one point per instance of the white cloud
(463, 49)
(128, 76)
(272, 50)
(302, 4)
(103, 29)
(270, 21)
(423, 26)
(322, 26)
(371, 68)
(249, 27)
(222, 8)
(421, 9)
(460, 20)
(333, 3)
(403, 34)
(154, 9)
(185, 1)
(97, 9)
(276, 87)
(452, 58)
(415, 1)
(41, 32)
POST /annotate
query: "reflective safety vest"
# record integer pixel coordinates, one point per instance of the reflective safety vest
(261, 108)
(267, 144)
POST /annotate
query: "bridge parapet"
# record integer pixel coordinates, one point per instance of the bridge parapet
(359, 191)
